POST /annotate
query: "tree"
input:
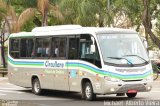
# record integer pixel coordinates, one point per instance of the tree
(19, 21)
(16, 24)
(146, 18)
(3, 38)
(83, 12)
(141, 12)
(45, 8)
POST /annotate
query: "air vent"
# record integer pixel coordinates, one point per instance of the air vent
(132, 80)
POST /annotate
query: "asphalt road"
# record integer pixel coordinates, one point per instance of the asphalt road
(11, 95)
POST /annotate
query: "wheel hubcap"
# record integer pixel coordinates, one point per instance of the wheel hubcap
(36, 86)
(88, 92)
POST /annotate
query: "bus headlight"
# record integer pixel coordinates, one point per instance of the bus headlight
(108, 78)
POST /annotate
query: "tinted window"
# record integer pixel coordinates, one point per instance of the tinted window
(73, 47)
(14, 48)
(42, 47)
(59, 46)
(85, 53)
(27, 48)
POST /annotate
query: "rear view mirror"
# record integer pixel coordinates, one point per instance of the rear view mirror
(93, 49)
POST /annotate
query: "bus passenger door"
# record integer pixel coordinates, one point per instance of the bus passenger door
(59, 45)
(72, 64)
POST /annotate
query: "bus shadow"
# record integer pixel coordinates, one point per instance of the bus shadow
(77, 96)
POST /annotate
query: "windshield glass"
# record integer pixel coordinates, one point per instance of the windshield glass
(122, 49)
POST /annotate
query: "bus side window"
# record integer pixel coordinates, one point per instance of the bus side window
(85, 54)
(39, 46)
(14, 48)
(73, 47)
(97, 57)
(58, 47)
(42, 47)
(26, 47)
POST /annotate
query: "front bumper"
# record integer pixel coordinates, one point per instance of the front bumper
(123, 87)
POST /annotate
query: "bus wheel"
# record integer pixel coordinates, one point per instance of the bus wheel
(88, 92)
(36, 87)
(131, 95)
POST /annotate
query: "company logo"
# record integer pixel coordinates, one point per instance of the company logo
(54, 64)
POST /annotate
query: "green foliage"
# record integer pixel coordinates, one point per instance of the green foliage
(28, 26)
(83, 12)
(90, 12)
(2, 10)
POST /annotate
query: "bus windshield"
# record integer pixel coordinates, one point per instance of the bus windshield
(122, 49)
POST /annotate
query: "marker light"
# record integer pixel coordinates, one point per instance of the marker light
(112, 89)
(149, 88)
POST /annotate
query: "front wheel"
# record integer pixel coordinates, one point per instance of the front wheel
(131, 95)
(36, 87)
(88, 92)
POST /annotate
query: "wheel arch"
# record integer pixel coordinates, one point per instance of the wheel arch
(84, 80)
(34, 77)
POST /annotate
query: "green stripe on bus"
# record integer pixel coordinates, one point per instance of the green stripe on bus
(85, 67)
(131, 77)
(115, 76)
(25, 64)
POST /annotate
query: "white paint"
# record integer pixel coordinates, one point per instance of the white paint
(8, 88)
(3, 78)
(10, 91)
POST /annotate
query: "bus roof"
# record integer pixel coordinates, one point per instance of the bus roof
(56, 28)
(70, 29)
(21, 34)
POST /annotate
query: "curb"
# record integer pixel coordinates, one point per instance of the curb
(3, 78)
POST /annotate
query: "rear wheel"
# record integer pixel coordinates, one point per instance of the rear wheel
(36, 87)
(131, 95)
(88, 92)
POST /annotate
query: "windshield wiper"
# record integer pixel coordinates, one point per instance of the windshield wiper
(119, 58)
(139, 57)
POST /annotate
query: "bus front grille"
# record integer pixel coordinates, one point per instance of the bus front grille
(132, 80)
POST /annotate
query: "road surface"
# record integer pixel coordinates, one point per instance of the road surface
(11, 95)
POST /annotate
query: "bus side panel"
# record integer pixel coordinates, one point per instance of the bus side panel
(78, 73)
(74, 79)
(18, 76)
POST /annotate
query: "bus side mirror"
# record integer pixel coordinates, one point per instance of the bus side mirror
(93, 49)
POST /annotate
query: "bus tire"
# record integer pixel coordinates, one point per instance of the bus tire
(88, 92)
(131, 95)
(36, 87)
